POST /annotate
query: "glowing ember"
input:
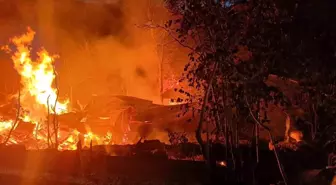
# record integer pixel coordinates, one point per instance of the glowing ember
(221, 163)
(71, 142)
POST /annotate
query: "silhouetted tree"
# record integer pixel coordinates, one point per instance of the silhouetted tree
(236, 46)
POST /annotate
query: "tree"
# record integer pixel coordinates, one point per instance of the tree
(235, 49)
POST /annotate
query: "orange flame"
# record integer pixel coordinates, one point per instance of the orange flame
(5, 125)
(38, 96)
(37, 78)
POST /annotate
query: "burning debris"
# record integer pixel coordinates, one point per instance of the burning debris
(46, 120)
(39, 103)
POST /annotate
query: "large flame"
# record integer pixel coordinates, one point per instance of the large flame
(39, 96)
(37, 77)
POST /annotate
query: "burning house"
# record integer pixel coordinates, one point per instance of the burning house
(53, 120)
(108, 92)
(43, 104)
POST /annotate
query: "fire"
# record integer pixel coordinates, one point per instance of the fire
(37, 78)
(5, 125)
(71, 142)
(39, 97)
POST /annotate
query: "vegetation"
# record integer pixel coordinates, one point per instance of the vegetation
(236, 46)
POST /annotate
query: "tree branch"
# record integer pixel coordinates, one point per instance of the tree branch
(16, 122)
(55, 122)
(200, 123)
(151, 26)
(272, 141)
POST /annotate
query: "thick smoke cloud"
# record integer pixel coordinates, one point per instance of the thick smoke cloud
(101, 49)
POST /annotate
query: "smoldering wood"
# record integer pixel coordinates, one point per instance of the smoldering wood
(151, 117)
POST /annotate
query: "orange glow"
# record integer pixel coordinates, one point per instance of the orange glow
(5, 125)
(221, 163)
(37, 76)
(39, 96)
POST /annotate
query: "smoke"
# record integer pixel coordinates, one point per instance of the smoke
(101, 49)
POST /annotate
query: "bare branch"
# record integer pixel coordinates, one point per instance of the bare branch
(48, 124)
(200, 123)
(16, 122)
(152, 26)
(272, 141)
(55, 121)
